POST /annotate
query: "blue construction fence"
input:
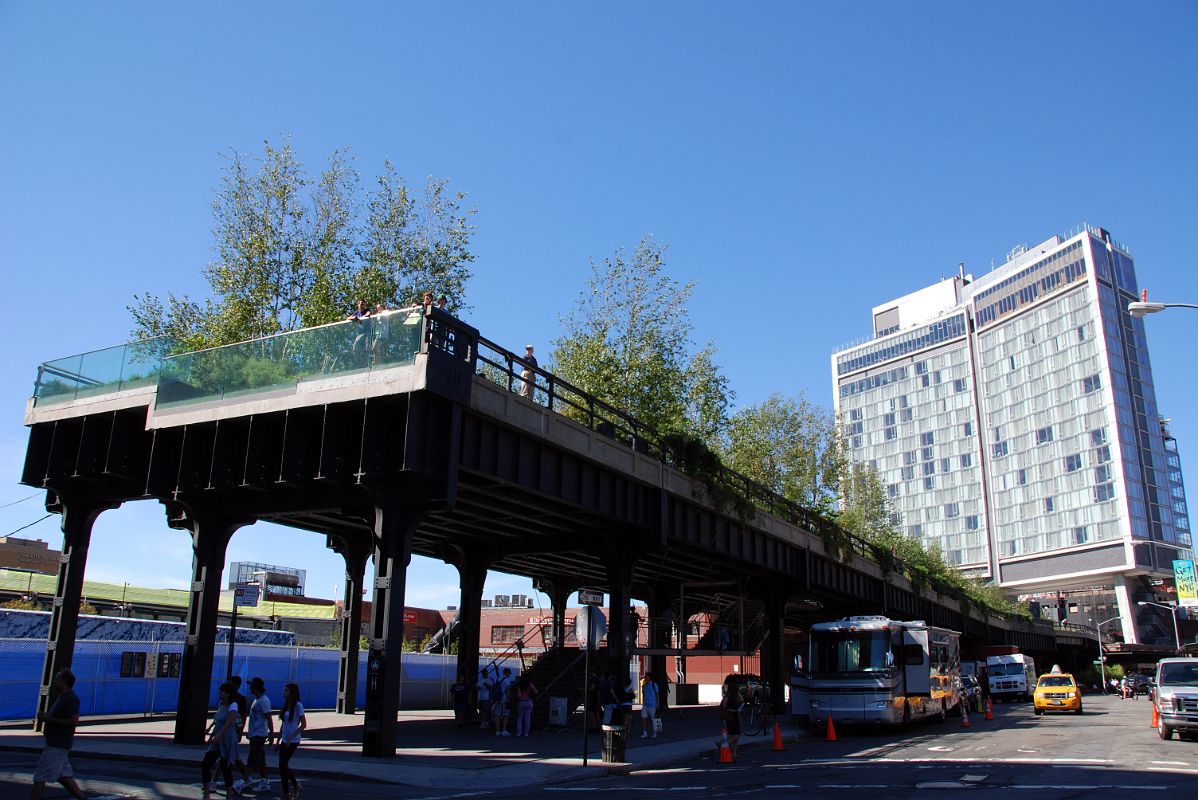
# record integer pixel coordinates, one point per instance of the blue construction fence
(131, 677)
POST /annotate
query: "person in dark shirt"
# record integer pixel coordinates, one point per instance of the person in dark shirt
(59, 729)
(460, 692)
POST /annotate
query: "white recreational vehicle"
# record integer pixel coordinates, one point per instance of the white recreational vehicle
(1011, 677)
(878, 671)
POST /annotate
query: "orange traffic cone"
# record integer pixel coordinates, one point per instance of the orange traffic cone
(965, 723)
(778, 746)
(725, 749)
(989, 709)
(831, 730)
(1156, 717)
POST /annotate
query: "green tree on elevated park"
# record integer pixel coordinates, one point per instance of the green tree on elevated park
(790, 445)
(293, 251)
(628, 342)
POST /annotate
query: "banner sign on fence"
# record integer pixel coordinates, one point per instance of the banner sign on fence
(246, 595)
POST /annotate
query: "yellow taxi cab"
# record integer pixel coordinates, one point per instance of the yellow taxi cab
(1057, 691)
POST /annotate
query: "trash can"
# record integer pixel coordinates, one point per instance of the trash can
(615, 739)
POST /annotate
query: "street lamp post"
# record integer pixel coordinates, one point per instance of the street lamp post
(1143, 307)
(1102, 658)
(1172, 613)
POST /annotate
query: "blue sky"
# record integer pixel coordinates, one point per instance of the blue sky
(805, 162)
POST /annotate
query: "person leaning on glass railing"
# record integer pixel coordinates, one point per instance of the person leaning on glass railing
(361, 315)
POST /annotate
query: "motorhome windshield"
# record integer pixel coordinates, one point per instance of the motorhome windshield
(850, 651)
(1006, 669)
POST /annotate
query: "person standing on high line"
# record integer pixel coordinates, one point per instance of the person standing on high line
(527, 374)
(59, 729)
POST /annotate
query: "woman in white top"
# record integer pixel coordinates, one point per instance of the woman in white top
(292, 724)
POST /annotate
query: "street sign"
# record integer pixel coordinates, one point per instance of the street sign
(589, 627)
(590, 597)
(246, 594)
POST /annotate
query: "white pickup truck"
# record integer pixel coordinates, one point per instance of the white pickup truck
(1176, 696)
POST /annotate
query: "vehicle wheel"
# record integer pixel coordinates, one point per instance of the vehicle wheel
(1164, 730)
(1039, 712)
(906, 723)
(1079, 709)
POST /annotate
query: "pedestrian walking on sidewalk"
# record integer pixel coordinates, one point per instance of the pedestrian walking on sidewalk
(59, 729)
(222, 743)
(243, 714)
(648, 706)
(525, 692)
(499, 702)
(261, 731)
(460, 692)
(484, 699)
(730, 716)
(292, 723)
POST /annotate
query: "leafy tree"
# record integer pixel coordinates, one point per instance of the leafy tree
(294, 252)
(790, 445)
(627, 341)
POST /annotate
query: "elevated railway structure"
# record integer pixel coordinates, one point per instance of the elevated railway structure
(413, 434)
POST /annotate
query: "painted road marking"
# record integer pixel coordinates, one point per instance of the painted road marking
(1171, 763)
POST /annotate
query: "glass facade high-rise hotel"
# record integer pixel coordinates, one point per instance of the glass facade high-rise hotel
(1013, 422)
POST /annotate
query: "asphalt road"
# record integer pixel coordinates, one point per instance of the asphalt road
(1110, 749)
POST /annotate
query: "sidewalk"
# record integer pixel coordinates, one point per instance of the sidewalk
(432, 751)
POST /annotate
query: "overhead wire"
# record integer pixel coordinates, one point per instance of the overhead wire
(30, 525)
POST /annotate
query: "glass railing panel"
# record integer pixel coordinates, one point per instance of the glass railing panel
(101, 372)
(283, 361)
(58, 381)
(142, 362)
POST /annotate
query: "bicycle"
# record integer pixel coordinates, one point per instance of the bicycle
(756, 713)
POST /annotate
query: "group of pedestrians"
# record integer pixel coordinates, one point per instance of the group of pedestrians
(496, 693)
(229, 723)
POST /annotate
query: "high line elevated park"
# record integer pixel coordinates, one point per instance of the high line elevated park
(412, 433)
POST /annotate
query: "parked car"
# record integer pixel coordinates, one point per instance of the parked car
(1057, 691)
(1176, 696)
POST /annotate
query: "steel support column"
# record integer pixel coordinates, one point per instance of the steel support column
(619, 565)
(773, 651)
(472, 575)
(661, 629)
(77, 515)
(393, 529)
(355, 554)
(210, 535)
(559, 597)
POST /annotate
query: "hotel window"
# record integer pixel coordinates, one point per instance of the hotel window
(968, 428)
(959, 385)
(1073, 463)
(966, 460)
(1048, 505)
(1044, 435)
(971, 523)
(1091, 384)
(952, 510)
(1080, 536)
(928, 438)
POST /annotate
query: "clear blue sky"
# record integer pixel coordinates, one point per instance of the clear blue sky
(804, 161)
